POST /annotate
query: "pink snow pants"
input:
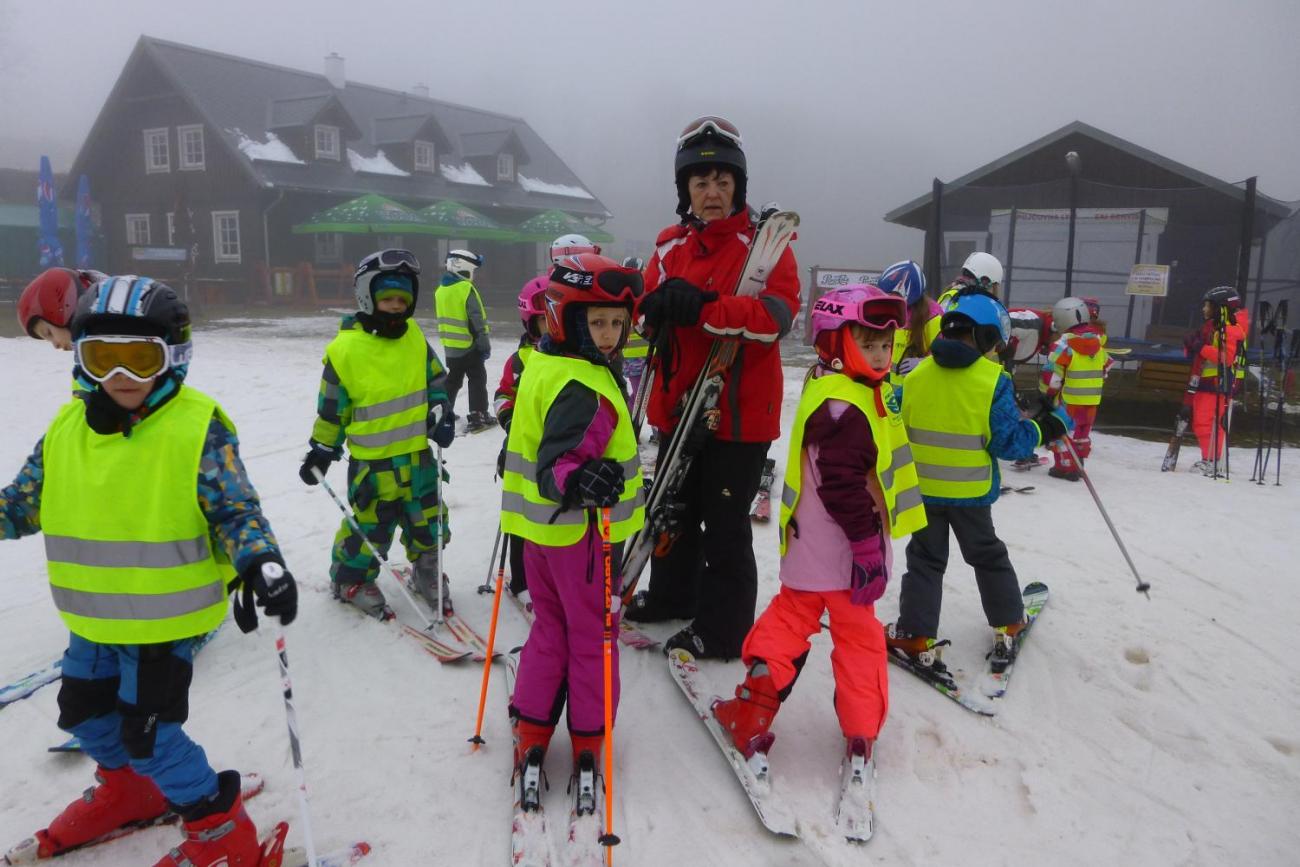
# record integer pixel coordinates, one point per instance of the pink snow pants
(565, 647)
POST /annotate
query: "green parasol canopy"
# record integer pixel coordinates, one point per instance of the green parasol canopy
(451, 219)
(368, 214)
(549, 225)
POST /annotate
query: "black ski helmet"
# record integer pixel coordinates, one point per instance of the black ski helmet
(1223, 296)
(709, 141)
(132, 305)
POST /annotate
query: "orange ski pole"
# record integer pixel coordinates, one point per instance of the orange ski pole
(609, 839)
(477, 740)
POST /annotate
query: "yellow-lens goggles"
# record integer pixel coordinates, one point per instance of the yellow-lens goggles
(140, 358)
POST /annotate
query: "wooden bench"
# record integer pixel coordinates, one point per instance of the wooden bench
(1164, 375)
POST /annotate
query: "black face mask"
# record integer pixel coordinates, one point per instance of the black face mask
(103, 414)
(381, 324)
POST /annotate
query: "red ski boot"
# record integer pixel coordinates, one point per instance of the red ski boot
(121, 799)
(749, 715)
(218, 832)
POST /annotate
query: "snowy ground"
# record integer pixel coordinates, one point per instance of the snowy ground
(1155, 732)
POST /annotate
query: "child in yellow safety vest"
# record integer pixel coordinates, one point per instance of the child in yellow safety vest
(1075, 371)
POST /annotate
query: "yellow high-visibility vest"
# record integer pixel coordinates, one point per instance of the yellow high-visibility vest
(946, 411)
(387, 382)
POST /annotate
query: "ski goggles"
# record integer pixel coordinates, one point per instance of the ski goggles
(709, 125)
(389, 260)
(139, 358)
(616, 284)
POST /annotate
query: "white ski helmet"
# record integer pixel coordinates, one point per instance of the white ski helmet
(1069, 312)
(571, 245)
(462, 263)
(984, 267)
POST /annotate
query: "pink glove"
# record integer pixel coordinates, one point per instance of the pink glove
(867, 583)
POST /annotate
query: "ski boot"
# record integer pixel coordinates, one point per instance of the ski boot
(853, 810)
(694, 643)
(365, 596)
(425, 578)
(531, 741)
(644, 609)
(477, 422)
(747, 718)
(1026, 463)
(1202, 466)
(122, 798)
(218, 832)
(1005, 646)
(1063, 473)
(922, 654)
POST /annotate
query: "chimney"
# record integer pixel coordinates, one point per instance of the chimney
(421, 90)
(334, 70)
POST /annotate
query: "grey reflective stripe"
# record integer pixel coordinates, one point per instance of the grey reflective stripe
(517, 463)
(901, 456)
(1074, 389)
(908, 498)
(388, 437)
(549, 514)
(389, 407)
(126, 555)
(788, 496)
(137, 606)
(331, 390)
(1083, 374)
(448, 322)
(941, 473)
(945, 440)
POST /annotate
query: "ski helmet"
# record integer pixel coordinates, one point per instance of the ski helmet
(571, 245)
(1069, 312)
(709, 142)
(864, 304)
(532, 302)
(1094, 305)
(981, 314)
(52, 296)
(126, 307)
(635, 262)
(905, 279)
(1029, 332)
(463, 263)
(578, 282)
(1223, 296)
(386, 271)
(984, 268)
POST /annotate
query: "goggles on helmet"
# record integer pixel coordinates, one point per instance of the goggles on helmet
(390, 260)
(616, 285)
(139, 358)
(709, 125)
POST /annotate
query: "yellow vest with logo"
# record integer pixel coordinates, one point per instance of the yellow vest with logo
(903, 339)
(894, 468)
(387, 383)
(636, 346)
(1083, 380)
(524, 511)
(130, 553)
(946, 412)
(452, 302)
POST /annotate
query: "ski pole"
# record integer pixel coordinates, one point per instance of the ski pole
(295, 748)
(477, 740)
(486, 586)
(374, 552)
(438, 616)
(1142, 586)
(609, 839)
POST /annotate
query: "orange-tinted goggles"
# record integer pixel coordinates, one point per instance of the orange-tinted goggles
(140, 358)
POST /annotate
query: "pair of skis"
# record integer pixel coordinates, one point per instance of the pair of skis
(761, 509)
(458, 642)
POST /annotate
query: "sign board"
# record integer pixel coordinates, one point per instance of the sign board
(159, 254)
(1148, 280)
(825, 279)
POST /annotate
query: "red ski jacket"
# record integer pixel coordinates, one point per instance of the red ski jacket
(712, 257)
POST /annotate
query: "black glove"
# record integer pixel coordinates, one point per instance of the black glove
(1050, 422)
(1185, 414)
(675, 300)
(267, 581)
(442, 425)
(501, 460)
(319, 458)
(595, 483)
(696, 439)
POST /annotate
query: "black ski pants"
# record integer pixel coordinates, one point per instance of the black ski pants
(471, 365)
(927, 559)
(709, 573)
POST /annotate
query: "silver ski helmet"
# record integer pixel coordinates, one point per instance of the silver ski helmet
(386, 269)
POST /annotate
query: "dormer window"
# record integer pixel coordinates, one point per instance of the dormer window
(505, 167)
(327, 142)
(424, 156)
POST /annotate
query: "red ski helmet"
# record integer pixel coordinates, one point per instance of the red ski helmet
(577, 282)
(52, 296)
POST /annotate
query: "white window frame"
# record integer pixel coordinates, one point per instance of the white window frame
(152, 137)
(431, 163)
(171, 228)
(182, 154)
(331, 135)
(134, 222)
(328, 248)
(218, 250)
(505, 167)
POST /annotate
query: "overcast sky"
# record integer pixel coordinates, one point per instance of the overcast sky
(848, 108)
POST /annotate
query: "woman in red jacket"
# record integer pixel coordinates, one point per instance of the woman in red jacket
(1210, 359)
(709, 574)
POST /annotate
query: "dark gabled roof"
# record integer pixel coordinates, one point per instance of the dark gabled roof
(297, 110)
(1034, 162)
(489, 144)
(236, 97)
(407, 128)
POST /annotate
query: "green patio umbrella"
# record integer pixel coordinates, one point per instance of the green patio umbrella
(451, 219)
(549, 225)
(368, 214)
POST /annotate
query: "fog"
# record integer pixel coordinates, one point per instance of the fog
(848, 109)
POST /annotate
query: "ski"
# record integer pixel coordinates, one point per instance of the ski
(586, 823)
(297, 856)
(1181, 423)
(761, 509)
(1031, 463)
(439, 650)
(772, 235)
(946, 686)
(24, 687)
(1035, 599)
(753, 774)
(1008, 489)
(460, 639)
(855, 807)
(530, 838)
(28, 851)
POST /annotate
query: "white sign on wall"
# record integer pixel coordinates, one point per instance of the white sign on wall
(1148, 280)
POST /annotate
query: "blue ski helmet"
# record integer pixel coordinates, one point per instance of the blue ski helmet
(904, 278)
(985, 316)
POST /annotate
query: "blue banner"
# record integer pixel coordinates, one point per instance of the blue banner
(48, 241)
(84, 226)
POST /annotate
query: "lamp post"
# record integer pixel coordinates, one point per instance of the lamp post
(1075, 165)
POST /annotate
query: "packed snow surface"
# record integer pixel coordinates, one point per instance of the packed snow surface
(1136, 731)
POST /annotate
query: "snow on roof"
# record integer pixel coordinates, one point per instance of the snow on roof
(270, 151)
(463, 174)
(376, 165)
(533, 185)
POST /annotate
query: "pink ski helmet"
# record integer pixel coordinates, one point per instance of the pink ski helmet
(532, 302)
(866, 305)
